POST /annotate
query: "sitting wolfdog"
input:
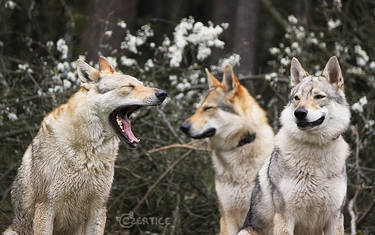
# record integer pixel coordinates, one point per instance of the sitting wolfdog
(63, 184)
(301, 189)
(240, 139)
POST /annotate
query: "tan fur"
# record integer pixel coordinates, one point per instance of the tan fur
(64, 181)
(235, 167)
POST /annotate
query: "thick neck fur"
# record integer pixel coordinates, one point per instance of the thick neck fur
(80, 132)
(231, 161)
(301, 156)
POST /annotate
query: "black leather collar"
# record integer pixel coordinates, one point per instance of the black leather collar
(246, 139)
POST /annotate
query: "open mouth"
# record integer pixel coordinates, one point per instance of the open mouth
(121, 123)
(308, 125)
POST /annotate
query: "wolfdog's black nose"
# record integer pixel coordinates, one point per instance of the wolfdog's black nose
(300, 113)
(161, 94)
(185, 127)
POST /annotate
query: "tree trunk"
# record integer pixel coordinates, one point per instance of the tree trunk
(245, 34)
(103, 16)
(224, 12)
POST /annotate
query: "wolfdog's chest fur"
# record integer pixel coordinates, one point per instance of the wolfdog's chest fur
(311, 183)
(78, 173)
(72, 180)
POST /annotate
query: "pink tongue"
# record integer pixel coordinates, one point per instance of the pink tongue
(128, 130)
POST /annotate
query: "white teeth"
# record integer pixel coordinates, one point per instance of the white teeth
(119, 122)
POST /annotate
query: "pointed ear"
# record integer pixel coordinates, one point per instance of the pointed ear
(333, 73)
(212, 81)
(230, 80)
(86, 73)
(297, 73)
(105, 66)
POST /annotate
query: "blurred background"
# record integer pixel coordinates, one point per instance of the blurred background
(168, 44)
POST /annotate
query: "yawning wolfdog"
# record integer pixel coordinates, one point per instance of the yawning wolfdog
(240, 139)
(63, 184)
(301, 189)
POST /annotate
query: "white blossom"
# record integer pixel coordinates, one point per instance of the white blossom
(294, 45)
(292, 19)
(363, 101)
(204, 37)
(60, 67)
(232, 60)
(363, 57)
(172, 78)
(62, 48)
(12, 117)
(70, 75)
(332, 24)
(179, 96)
(369, 124)
(10, 4)
(322, 45)
(66, 84)
(274, 50)
(127, 61)
(112, 61)
(372, 65)
(358, 106)
(131, 42)
(121, 24)
(108, 33)
(203, 52)
(287, 50)
(300, 33)
(355, 70)
(49, 44)
(224, 25)
(149, 64)
(338, 4)
(270, 76)
(23, 67)
(285, 61)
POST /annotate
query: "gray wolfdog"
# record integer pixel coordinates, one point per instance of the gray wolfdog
(301, 188)
(66, 174)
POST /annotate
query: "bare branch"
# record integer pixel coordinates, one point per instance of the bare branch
(188, 146)
(169, 125)
(275, 14)
(161, 177)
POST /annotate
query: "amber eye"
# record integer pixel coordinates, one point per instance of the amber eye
(319, 96)
(207, 108)
(296, 98)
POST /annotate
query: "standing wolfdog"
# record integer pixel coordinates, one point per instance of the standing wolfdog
(240, 139)
(63, 184)
(301, 189)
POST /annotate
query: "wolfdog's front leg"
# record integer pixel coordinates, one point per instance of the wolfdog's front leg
(96, 223)
(43, 219)
(335, 226)
(283, 225)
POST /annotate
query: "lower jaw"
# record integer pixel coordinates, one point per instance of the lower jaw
(127, 142)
